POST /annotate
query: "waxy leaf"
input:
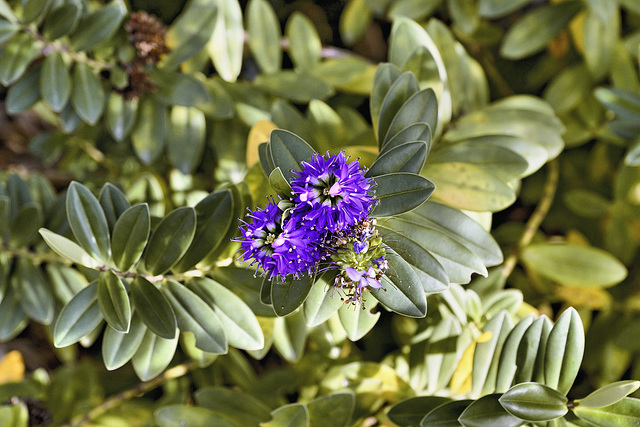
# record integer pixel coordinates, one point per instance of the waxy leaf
(264, 32)
(291, 415)
(226, 44)
(55, 82)
(78, 317)
(336, 407)
(16, 56)
(322, 302)
(170, 240)
(411, 411)
(408, 157)
(130, 234)
(113, 202)
(534, 402)
(68, 249)
(120, 116)
(196, 316)
(119, 347)
(487, 411)
(401, 290)
(446, 414)
(400, 192)
(287, 151)
(12, 317)
(153, 355)
(574, 265)
(240, 324)
(236, 405)
(25, 92)
(114, 301)
(565, 348)
(98, 25)
(358, 319)
(153, 308)
(421, 107)
(35, 297)
(304, 41)
(403, 88)
(88, 96)
(624, 413)
(609, 394)
(88, 222)
(279, 183)
(62, 19)
(148, 135)
(287, 296)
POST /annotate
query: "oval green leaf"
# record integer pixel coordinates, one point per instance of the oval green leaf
(170, 240)
(88, 222)
(114, 301)
(78, 317)
(119, 347)
(400, 192)
(534, 402)
(55, 82)
(153, 308)
(130, 235)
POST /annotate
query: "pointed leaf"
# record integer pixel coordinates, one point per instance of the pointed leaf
(624, 413)
(240, 324)
(153, 308)
(290, 335)
(113, 202)
(565, 348)
(148, 135)
(609, 394)
(194, 315)
(55, 82)
(241, 406)
(226, 44)
(358, 319)
(322, 301)
(98, 25)
(16, 56)
(403, 88)
(291, 415)
(35, 296)
(421, 107)
(400, 192)
(287, 296)
(304, 41)
(411, 411)
(120, 116)
(534, 402)
(488, 411)
(78, 317)
(88, 222)
(119, 347)
(114, 301)
(264, 33)
(337, 407)
(153, 356)
(170, 240)
(68, 249)
(88, 95)
(408, 157)
(62, 19)
(130, 235)
(186, 138)
(287, 151)
(446, 414)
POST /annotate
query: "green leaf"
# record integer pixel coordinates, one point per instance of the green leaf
(186, 138)
(507, 367)
(238, 321)
(130, 235)
(408, 157)
(354, 21)
(532, 32)
(531, 351)
(487, 355)
(12, 318)
(55, 82)
(114, 301)
(190, 32)
(534, 402)
(446, 414)
(400, 192)
(88, 222)
(466, 186)
(400, 91)
(119, 347)
(35, 296)
(113, 202)
(279, 183)
(574, 265)
(623, 413)
(400, 290)
(66, 281)
(7, 30)
(15, 415)
(609, 394)
(421, 107)
(153, 356)
(178, 89)
(322, 301)
(148, 135)
(16, 56)
(624, 104)
(226, 44)
(337, 407)
(25, 225)
(241, 407)
(62, 20)
(120, 116)
(190, 416)
(358, 319)
(68, 249)
(153, 308)
(6, 11)
(386, 74)
(601, 33)
(498, 8)
(287, 296)
(98, 25)
(288, 150)
(195, 315)
(290, 335)
(432, 275)
(411, 411)
(214, 216)
(87, 97)
(264, 32)
(441, 357)
(565, 348)
(488, 411)
(170, 240)
(296, 86)
(304, 41)
(291, 415)
(25, 92)
(78, 317)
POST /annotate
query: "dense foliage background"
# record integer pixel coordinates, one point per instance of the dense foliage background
(135, 134)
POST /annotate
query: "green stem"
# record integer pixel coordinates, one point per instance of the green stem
(534, 222)
(140, 389)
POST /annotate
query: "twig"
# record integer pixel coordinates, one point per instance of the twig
(548, 193)
(120, 398)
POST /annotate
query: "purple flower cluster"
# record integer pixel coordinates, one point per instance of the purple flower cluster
(331, 200)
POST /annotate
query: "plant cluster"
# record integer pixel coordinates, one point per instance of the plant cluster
(449, 236)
